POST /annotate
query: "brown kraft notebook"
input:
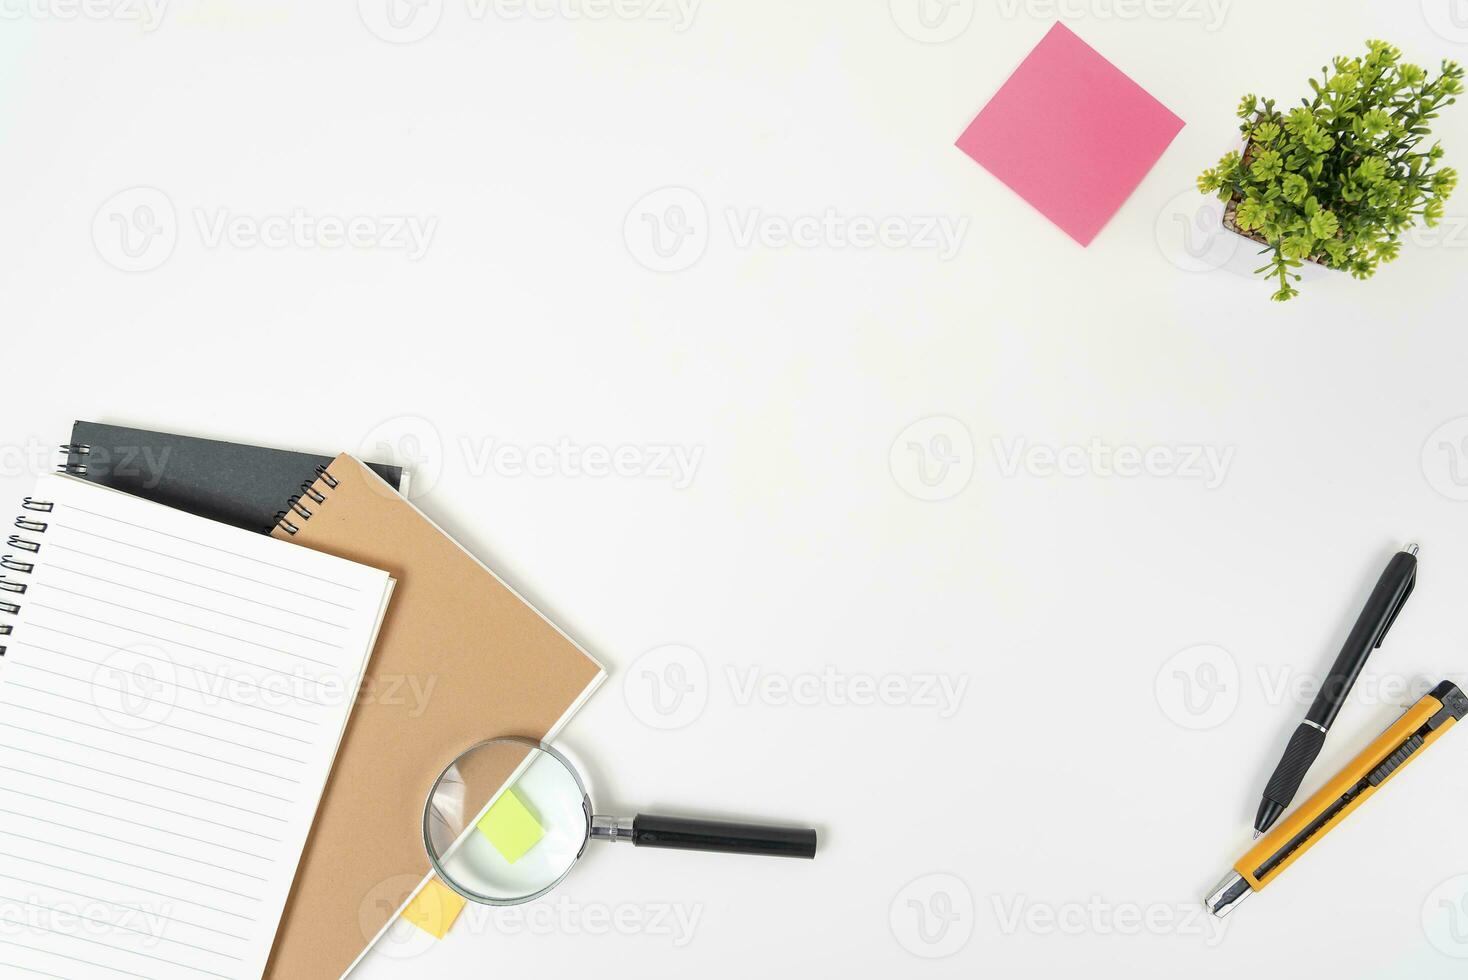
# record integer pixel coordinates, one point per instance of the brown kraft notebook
(461, 658)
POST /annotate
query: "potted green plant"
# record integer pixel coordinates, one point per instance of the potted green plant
(1337, 180)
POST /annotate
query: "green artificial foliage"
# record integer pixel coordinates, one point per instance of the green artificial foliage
(1339, 179)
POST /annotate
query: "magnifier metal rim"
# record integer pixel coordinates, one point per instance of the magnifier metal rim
(448, 879)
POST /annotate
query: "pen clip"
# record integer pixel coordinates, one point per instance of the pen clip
(1411, 584)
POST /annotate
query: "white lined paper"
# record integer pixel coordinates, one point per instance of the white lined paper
(171, 700)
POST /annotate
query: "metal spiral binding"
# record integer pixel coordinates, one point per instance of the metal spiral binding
(294, 507)
(74, 449)
(10, 563)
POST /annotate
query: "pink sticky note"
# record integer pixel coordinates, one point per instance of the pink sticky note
(1071, 134)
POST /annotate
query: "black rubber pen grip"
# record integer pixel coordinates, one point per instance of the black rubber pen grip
(1299, 755)
(715, 835)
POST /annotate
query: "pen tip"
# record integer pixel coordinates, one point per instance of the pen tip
(1258, 834)
(1411, 549)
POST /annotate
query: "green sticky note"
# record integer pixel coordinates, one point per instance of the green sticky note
(511, 827)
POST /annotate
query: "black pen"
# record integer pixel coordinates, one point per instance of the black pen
(1387, 600)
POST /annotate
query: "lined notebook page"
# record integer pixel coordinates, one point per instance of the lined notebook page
(171, 700)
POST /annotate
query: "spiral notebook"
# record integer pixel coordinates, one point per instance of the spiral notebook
(223, 481)
(172, 694)
(484, 662)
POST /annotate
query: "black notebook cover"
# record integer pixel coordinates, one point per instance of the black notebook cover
(245, 486)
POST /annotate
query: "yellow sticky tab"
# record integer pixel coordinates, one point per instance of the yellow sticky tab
(511, 827)
(434, 909)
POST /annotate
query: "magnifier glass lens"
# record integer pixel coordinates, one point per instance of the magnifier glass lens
(506, 821)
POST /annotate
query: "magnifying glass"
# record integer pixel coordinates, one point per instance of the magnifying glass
(507, 820)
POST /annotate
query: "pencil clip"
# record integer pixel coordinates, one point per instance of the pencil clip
(1407, 592)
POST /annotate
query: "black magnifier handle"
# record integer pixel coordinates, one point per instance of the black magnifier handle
(683, 834)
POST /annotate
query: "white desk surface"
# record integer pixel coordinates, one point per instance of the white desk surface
(1129, 649)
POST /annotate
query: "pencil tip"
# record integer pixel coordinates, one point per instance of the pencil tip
(1258, 834)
